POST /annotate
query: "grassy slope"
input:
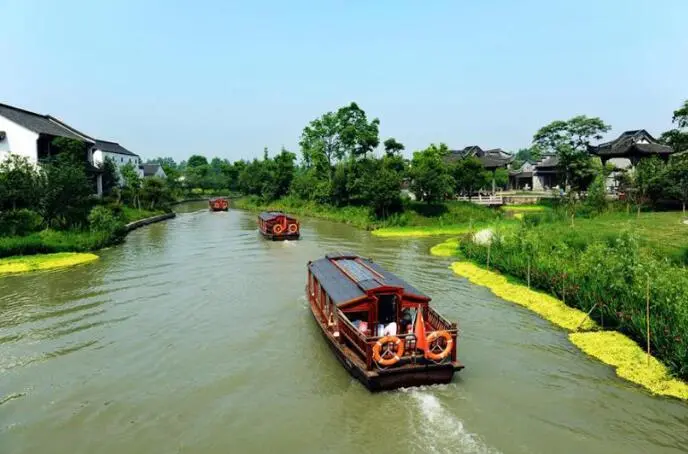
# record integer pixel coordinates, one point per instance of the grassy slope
(663, 233)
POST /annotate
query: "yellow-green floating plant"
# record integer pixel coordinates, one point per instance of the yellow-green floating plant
(630, 361)
(13, 265)
(545, 305)
(611, 347)
(446, 249)
(395, 232)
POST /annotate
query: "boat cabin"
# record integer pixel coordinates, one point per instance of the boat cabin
(218, 204)
(363, 309)
(277, 225)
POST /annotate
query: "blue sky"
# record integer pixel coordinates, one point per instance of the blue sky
(224, 78)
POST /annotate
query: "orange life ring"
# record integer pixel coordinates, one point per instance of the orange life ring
(435, 335)
(277, 229)
(397, 353)
(292, 228)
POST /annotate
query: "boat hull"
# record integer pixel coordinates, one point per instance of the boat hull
(389, 379)
(274, 237)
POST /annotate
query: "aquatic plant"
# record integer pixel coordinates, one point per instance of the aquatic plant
(445, 249)
(612, 279)
(630, 362)
(13, 265)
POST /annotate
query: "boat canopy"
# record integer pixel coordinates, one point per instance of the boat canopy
(272, 215)
(346, 277)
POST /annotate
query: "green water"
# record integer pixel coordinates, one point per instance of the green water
(194, 337)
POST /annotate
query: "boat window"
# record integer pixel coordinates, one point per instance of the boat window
(387, 309)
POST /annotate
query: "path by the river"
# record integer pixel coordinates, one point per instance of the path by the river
(194, 337)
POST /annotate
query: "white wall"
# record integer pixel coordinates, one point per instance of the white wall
(119, 159)
(18, 140)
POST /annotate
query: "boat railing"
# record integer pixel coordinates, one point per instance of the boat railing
(357, 338)
(435, 319)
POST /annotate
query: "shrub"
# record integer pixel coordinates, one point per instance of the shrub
(19, 222)
(610, 275)
(102, 219)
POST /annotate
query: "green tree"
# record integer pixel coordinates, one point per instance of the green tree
(677, 138)
(154, 193)
(110, 176)
(328, 139)
(392, 147)
(501, 178)
(197, 161)
(132, 185)
(677, 178)
(469, 176)
(430, 178)
(570, 140)
(649, 180)
(531, 154)
(68, 192)
(21, 184)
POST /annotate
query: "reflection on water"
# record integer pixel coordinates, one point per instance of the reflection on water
(194, 336)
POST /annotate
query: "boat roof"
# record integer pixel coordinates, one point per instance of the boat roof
(346, 277)
(212, 199)
(270, 215)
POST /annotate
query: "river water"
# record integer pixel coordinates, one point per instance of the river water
(194, 337)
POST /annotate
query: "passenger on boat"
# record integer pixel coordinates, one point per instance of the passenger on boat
(406, 321)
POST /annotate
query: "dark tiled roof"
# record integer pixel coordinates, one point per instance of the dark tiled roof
(113, 147)
(626, 144)
(271, 215)
(41, 124)
(548, 162)
(149, 169)
(365, 275)
(520, 173)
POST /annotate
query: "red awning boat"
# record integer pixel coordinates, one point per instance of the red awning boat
(381, 328)
(218, 204)
(277, 225)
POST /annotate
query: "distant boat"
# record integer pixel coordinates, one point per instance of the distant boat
(367, 316)
(277, 225)
(218, 204)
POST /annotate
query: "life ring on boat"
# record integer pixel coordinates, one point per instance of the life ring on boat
(277, 229)
(292, 228)
(433, 337)
(397, 353)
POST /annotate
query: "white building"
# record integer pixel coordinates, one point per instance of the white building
(119, 155)
(30, 134)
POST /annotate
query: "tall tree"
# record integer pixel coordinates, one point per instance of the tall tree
(677, 138)
(469, 176)
(328, 139)
(570, 140)
(430, 178)
(677, 178)
(392, 147)
(21, 184)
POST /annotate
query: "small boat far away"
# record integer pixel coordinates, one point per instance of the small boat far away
(381, 328)
(218, 204)
(277, 225)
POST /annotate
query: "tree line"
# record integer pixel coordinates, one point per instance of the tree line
(344, 162)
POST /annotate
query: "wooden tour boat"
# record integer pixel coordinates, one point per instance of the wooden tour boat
(218, 204)
(381, 328)
(277, 225)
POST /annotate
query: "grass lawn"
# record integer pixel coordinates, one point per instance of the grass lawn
(662, 232)
(525, 208)
(134, 214)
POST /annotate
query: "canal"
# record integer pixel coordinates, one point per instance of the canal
(194, 337)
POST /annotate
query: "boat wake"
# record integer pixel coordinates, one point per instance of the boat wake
(439, 431)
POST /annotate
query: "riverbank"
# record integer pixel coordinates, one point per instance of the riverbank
(15, 265)
(628, 359)
(564, 302)
(417, 219)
